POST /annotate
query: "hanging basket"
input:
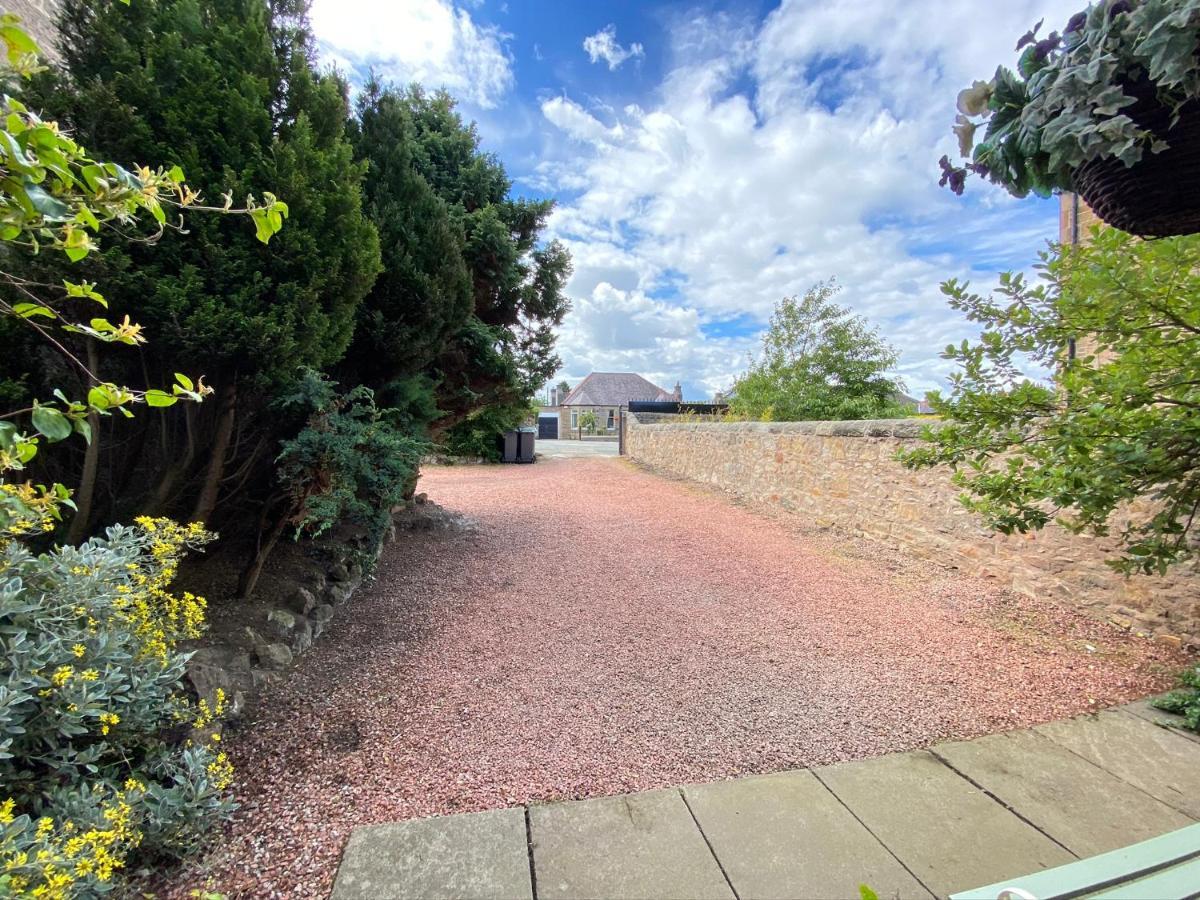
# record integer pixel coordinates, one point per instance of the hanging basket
(1159, 196)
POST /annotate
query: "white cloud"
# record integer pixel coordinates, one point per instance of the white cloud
(577, 122)
(775, 155)
(603, 46)
(434, 42)
(624, 330)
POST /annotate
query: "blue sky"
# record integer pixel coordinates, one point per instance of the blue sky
(710, 158)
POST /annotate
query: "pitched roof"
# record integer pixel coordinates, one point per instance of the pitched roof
(614, 389)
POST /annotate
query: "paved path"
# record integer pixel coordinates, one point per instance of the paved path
(919, 824)
(575, 449)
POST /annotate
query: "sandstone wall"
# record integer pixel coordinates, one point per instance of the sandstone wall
(843, 475)
(38, 18)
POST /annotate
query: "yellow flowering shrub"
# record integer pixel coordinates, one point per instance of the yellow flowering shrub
(90, 696)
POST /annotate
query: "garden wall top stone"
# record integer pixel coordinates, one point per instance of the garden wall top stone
(889, 428)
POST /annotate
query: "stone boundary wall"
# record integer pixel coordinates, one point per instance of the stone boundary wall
(843, 475)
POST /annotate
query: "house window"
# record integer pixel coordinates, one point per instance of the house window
(612, 419)
(574, 418)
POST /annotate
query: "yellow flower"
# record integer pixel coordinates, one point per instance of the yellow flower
(79, 650)
(6, 811)
(221, 771)
(62, 675)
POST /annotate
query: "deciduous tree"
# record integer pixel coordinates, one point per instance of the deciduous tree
(819, 361)
(1112, 443)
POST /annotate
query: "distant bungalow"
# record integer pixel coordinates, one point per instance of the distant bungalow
(603, 393)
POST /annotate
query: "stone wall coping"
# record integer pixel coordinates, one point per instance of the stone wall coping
(875, 428)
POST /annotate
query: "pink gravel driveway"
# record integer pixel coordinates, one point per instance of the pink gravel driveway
(606, 630)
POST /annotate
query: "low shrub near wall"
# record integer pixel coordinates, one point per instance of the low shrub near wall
(844, 475)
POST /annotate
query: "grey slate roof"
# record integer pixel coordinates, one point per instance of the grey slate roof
(614, 389)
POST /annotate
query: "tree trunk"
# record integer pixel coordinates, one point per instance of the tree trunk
(207, 501)
(170, 478)
(249, 576)
(91, 463)
(122, 466)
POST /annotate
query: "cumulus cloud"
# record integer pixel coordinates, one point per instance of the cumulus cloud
(778, 154)
(627, 331)
(603, 46)
(435, 42)
(577, 122)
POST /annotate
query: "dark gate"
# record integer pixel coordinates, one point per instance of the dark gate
(547, 428)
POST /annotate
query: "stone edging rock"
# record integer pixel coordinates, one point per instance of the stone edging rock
(240, 664)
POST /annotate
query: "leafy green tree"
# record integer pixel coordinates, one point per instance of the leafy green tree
(587, 421)
(227, 89)
(481, 433)
(1113, 445)
(503, 352)
(423, 296)
(819, 361)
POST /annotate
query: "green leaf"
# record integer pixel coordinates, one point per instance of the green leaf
(99, 398)
(184, 382)
(17, 42)
(51, 423)
(48, 207)
(29, 310)
(155, 397)
(26, 450)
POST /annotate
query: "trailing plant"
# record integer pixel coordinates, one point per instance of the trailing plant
(350, 464)
(1184, 700)
(819, 361)
(93, 772)
(1067, 102)
(1112, 446)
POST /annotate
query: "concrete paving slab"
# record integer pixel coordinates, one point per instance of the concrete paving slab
(1080, 805)
(474, 855)
(946, 831)
(1143, 710)
(1162, 763)
(783, 836)
(637, 846)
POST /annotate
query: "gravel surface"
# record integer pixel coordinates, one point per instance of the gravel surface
(605, 630)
